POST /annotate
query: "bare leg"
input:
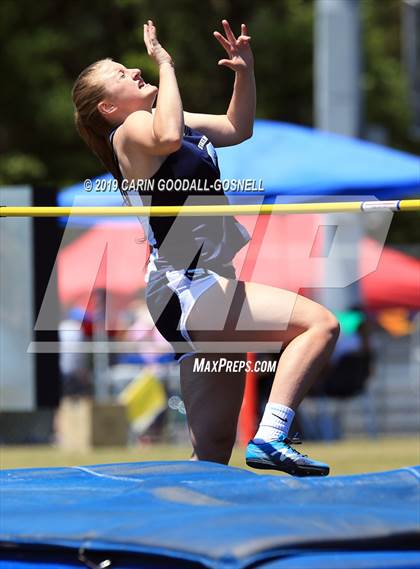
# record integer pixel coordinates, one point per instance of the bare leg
(213, 402)
(301, 363)
(308, 330)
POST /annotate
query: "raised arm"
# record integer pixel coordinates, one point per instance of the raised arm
(237, 124)
(160, 132)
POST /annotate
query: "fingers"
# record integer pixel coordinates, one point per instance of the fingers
(228, 31)
(146, 37)
(149, 35)
(226, 63)
(230, 42)
(223, 41)
(152, 30)
(243, 39)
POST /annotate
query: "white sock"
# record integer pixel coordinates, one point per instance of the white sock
(276, 420)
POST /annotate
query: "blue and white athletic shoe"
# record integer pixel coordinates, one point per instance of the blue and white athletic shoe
(279, 455)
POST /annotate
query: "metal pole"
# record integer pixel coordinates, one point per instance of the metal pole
(337, 101)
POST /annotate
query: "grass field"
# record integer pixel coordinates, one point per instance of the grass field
(344, 457)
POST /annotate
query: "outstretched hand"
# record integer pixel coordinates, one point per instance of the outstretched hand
(238, 49)
(154, 49)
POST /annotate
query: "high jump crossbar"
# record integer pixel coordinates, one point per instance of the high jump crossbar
(211, 210)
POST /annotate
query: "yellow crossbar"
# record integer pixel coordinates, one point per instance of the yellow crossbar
(211, 210)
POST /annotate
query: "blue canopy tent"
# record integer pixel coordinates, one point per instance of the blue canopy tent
(296, 163)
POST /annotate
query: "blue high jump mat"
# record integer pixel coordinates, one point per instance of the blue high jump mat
(204, 515)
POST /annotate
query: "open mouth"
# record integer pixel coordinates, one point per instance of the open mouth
(141, 83)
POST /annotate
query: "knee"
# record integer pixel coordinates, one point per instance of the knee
(328, 326)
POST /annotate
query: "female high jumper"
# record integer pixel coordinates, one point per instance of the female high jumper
(140, 132)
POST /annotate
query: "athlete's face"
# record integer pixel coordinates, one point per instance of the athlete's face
(126, 91)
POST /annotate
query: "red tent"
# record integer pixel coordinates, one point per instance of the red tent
(283, 251)
(394, 283)
(110, 256)
(289, 258)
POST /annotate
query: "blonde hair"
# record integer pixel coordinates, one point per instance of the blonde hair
(88, 90)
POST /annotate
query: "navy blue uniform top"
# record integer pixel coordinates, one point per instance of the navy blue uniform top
(190, 242)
